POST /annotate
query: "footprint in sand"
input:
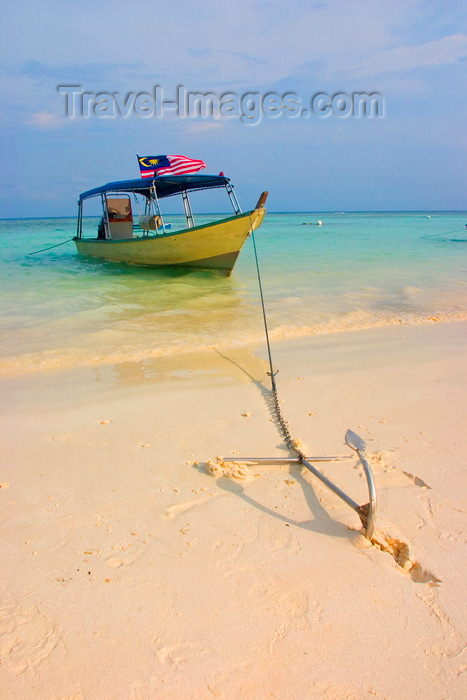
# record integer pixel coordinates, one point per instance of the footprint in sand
(178, 508)
(398, 476)
(178, 654)
(114, 562)
(28, 638)
(448, 645)
(63, 437)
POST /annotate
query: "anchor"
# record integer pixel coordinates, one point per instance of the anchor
(366, 512)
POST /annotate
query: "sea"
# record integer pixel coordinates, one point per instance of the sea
(320, 273)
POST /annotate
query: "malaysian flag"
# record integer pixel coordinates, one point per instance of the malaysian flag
(150, 166)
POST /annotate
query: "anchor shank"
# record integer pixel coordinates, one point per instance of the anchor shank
(350, 502)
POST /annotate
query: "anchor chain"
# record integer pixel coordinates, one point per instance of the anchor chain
(282, 423)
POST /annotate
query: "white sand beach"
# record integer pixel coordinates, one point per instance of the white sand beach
(131, 572)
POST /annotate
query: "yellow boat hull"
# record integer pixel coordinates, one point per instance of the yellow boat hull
(211, 246)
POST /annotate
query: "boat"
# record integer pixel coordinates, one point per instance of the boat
(147, 239)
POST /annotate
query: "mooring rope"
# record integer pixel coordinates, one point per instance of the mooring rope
(443, 233)
(50, 247)
(282, 423)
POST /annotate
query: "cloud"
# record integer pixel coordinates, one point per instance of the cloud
(253, 44)
(201, 127)
(250, 42)
(447, 50)
(46, 120)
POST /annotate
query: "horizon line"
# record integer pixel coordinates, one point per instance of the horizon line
(322, 211)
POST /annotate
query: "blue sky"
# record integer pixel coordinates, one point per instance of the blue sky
(412, 53)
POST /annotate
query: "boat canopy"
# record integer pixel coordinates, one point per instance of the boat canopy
(164, 186)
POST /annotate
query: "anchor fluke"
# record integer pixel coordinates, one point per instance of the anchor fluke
(366, 512)
(354, 441)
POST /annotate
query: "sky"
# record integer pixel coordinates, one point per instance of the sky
(283, 78)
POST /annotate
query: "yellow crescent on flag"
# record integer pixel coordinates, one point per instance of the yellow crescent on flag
(152, 161)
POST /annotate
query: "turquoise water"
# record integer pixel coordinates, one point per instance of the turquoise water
(357, 270)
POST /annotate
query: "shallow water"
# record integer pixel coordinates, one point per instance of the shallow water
(356, 270)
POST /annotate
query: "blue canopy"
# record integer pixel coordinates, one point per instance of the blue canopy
(165, 185)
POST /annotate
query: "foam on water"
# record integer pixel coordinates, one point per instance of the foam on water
(357, 270)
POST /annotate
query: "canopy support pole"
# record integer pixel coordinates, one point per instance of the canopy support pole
(156, 207)
(79, 229)
(188, 212)
(233, 198)
(106, 216)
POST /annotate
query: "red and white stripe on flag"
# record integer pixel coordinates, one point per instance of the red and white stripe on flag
(181, 165)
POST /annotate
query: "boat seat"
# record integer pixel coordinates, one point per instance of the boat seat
(120, 217)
